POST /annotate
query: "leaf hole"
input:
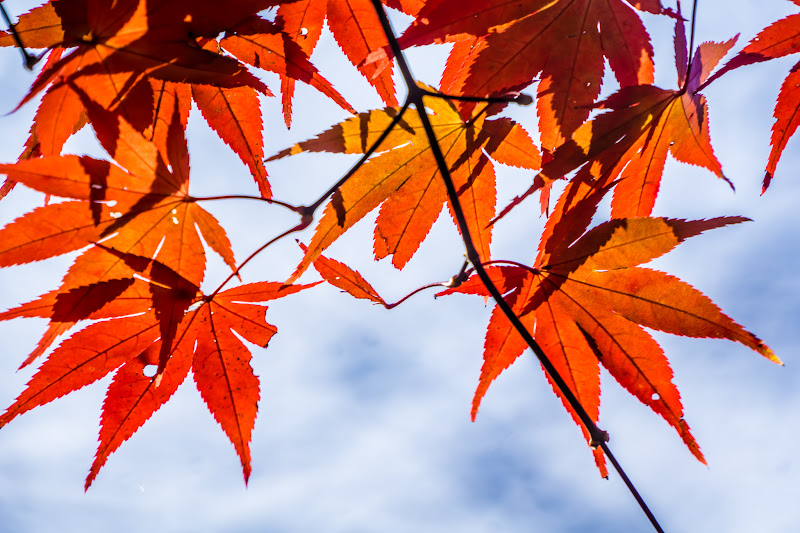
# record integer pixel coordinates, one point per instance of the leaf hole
(655, 397)
(303, 31)
(149, 371)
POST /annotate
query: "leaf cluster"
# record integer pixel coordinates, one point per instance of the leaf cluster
(133, 70)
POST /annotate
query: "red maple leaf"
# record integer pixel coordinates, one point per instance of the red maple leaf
(564, 42)
(585, 300)
(118, 45)
(643, 124)
(780, 39)
(203, 339)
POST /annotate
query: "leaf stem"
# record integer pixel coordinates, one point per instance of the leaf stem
(532, 270)
(690, 52)
(412, 293)
(415, 96)
(307, 212)
(288, 206)
(304, 223)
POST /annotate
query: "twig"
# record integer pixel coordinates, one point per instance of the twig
(307, 212)
(415, 95)
(28, 60)
(304, 223)
(412, 293)
(288, 206)
(313, 207)
(690, 52)
(455, 281)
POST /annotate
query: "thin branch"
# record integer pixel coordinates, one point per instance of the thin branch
(691, 45)
(304, 223)
(306, 212)
(691, 32)
(415, 96)
(514, 98)
(455, 281)
(412, 293)
(28, 59)
(395, 120)
(288, 206)
(631, 487)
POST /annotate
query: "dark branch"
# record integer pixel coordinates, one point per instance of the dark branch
(28, 59)
(598, 437)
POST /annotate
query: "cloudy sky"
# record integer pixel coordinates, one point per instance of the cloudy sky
(364, 415)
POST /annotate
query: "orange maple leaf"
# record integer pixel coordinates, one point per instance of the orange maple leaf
(404, 176)
(266, 45)
(145, 211)
(345, 278)
(355, 27)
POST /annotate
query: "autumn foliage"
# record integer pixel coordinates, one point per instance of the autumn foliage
(131, 301)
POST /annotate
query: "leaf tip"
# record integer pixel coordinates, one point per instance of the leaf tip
(767, 181)
(769, 354)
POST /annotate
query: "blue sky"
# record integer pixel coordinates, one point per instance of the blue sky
(364, 417)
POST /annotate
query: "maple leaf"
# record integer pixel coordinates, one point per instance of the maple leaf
(116, 46)
(780, 39)
(586, 299)
(643, 124)
(167, 333)
(265, 45)
(116, 65)
(357, 30)
(142, 211)
(302, 22)
(404, 176)
(566, 41)
(235, 114)
(345, 278)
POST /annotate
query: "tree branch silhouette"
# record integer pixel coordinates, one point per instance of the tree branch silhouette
(416, 95)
